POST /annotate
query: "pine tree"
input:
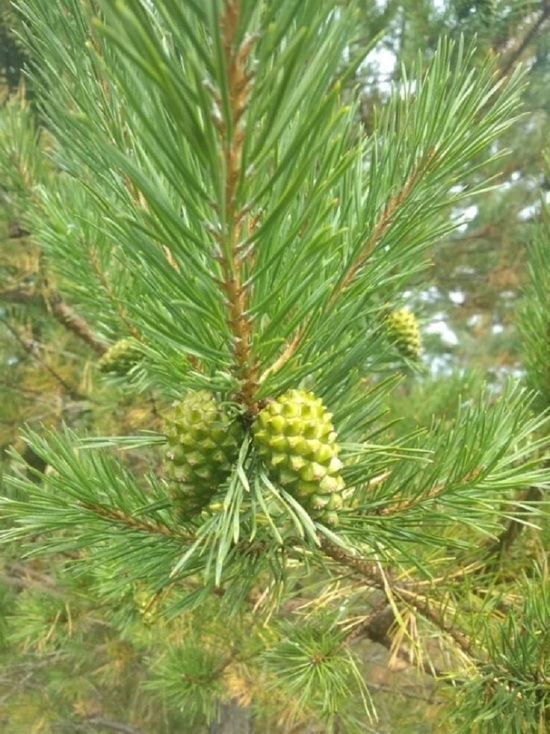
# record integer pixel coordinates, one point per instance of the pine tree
(211, 213)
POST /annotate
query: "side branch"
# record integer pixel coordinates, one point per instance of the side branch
(372, 574)
(503, 543)
(75, 323)
(62, 312)
(381, 226)
(102, 723)
(131, 522)
(33, 348)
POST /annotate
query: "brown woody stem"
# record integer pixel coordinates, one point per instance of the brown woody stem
(373, 575)
(130, 521)
(233, 262)
(75, 323)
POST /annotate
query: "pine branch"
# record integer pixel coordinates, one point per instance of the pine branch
(62, 312)
(514, 528)
(384, 581)
(16, 231)
(130, 521)
(399, 505)
(24, 577)
(23, 297)
(113, 299)
(383, 223)
(376, 627)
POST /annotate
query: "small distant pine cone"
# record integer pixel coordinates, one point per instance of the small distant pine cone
(404, 332)
(146, 605)
(203, 446)
(295, 437)
(120, 358)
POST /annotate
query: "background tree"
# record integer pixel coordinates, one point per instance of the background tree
(12, 55)
(286, 273)
(478, 271)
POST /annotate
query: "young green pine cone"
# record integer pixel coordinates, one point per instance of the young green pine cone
(203, 445)
(146, 604)
(120, 358)
(404, 332)
(296, 439)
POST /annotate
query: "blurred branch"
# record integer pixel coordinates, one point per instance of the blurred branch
(33, 348)
(498, 548)
(516, 53)
(100, 721)
(16, 231)
(75, 323)
(61, 311)
(16, 295)
(23, 577)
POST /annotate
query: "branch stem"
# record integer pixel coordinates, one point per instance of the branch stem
(430, 610)
(231, 258)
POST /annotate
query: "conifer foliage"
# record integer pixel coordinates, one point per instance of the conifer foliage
(210, 204)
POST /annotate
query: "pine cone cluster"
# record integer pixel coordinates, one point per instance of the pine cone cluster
(294, 436)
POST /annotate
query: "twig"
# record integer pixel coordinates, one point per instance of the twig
(62, 312)
(20, 583)
(513, 530)
(285, 356)
(385, 220)
(132, 522)
(115, 302)
(75, 323)
(434, 615)
(16, 295)
(369, 570)
(16, 231)
(375, 626)
(402, 691)
(399, 505)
